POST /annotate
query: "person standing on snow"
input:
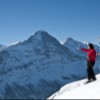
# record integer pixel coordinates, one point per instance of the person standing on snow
(91, 56)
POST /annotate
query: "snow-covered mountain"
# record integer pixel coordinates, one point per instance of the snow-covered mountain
(78, 90)
(73, 46)
(2, 47)
(38, 67)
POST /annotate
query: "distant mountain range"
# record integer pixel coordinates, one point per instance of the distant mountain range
(39, 66)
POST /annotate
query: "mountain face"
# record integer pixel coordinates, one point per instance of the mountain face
(73, 46)
(2, 47)
(38, 66)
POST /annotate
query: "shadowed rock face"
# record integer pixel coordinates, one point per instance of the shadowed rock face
(30, 91)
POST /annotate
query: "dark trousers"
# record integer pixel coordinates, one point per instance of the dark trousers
(90, 70)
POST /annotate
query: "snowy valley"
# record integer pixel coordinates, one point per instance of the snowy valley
(39, 66)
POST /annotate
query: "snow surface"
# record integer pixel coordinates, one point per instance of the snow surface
(79, 90)
(14, 43)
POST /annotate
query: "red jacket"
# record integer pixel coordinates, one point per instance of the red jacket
(91, 54)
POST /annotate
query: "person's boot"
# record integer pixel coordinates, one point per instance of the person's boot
(87, 81)
(94, 79)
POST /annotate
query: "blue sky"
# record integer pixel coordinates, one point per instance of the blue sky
(79, 19)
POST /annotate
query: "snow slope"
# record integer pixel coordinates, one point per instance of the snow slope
(77, 90)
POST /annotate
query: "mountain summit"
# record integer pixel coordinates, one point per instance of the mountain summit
(41, 39)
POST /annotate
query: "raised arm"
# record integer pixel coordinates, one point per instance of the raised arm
(84, 50)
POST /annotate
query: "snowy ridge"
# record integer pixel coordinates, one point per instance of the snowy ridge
(14, 43)
(77, 90)
(73, 46)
